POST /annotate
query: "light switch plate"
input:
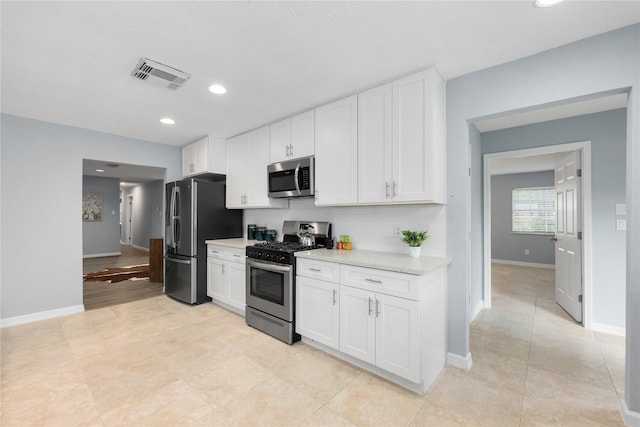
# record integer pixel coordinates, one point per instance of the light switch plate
(621, 224)
(621, 208)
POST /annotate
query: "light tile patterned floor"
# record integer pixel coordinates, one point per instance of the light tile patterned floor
(157, 362)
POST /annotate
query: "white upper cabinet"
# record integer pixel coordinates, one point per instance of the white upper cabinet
(292, 138)
(418, 138)
(247, 160)
(401, 155)
(375, 118)
(206, 155)
(336, 147)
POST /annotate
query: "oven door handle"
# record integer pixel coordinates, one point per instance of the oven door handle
(268, 267)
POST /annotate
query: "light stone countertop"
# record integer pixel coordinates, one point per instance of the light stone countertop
(389, 261)
(238, 243)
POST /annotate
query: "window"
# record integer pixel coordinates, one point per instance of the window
(533, 210)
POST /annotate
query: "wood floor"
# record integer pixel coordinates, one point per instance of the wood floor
(101, 294)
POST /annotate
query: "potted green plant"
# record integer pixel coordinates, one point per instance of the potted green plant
(414, 239)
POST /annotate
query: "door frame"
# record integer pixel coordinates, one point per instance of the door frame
(129, 220)
(585, 150)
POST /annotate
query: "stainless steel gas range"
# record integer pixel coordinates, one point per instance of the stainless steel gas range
(271, 275)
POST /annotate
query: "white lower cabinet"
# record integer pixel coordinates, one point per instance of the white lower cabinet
(382, 330)
(318, 310)
(390, 323)
(226, 277)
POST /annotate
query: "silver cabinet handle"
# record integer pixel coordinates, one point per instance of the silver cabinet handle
(373, 280)
(291, 150)
(387, 185)
(287, 151)
(370, 310)
(334, 296)
(237, 256)
(314, 269)
(395, 189)
(377, 308)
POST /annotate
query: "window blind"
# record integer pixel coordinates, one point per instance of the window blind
(533, 210)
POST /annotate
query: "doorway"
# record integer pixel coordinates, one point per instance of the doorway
(128, 221)
(491, 161)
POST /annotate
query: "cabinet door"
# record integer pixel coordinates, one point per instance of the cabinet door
(256, 168)
(216, 283)
(337, 153)
(236, 277)
(375, 180)
(398, 336)
(317, 310)
(414, 167)
(188, 159)
(302, 135)
(236, 171)
(357, 323)
(279, 145)
(202, 155)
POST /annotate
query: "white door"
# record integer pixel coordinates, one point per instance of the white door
(317, 315)
(216, 286)
(398, 336)
(236, 276)
(357, 323)
(568, 235)
(256, 168)
(236, 167)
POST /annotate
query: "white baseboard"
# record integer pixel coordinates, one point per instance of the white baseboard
(476, 310)
(630, 418)
(42, 315)
(524, 264)
(140, 247)
(460, 362)
(608, 329)
(101, 255)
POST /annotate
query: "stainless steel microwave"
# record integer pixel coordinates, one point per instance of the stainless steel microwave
(292, 178)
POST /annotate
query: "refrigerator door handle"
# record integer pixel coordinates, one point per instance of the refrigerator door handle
(179, 261)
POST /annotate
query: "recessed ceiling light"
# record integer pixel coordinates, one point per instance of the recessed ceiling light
(217, 89)
(546, 3)
(167, 121)
(99, 170)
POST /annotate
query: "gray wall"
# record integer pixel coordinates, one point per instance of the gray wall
(605, 63)
(607, 133)
(29, 182)
(102, 237)
(506, 245)
(147, 218)
(476, 221)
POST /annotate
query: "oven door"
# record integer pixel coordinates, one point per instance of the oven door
(270, 288)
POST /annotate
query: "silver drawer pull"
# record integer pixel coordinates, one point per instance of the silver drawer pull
(373, 280)
(334, 296)
(315, 269)
(370, 309)
(237, 256)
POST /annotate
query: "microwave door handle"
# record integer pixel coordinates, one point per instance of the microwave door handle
(295, 178)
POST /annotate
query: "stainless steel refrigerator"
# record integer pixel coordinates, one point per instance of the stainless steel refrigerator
(195, 212)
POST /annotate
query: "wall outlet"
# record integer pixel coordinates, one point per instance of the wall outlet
(621, 224)
(397, 229)
(526, 251)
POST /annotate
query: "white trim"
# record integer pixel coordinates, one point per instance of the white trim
(102, 255)
(140, 247)
(460, 362)
(476, 310)
(42, 315)
(587, 254)
(523, 263)
(608, 329)
(630, 418)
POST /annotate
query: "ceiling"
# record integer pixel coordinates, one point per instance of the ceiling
(70, 62)
(129, 175)
(524, 164)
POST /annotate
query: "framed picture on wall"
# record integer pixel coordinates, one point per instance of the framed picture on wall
(92, 206)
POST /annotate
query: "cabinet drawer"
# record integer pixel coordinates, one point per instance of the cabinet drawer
(386, 282)
(226, 253)
(318, 270)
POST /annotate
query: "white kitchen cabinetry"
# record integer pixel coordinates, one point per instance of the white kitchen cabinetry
(419, 138)
(206, 155)
(401, 145)
(336, 148)
(246, 170)
(381, 329)
(226, 277)
(293, 138)
(318, 301)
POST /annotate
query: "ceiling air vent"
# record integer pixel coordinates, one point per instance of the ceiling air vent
(158, 73)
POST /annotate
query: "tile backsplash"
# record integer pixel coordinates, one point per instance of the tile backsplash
(369, 227)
